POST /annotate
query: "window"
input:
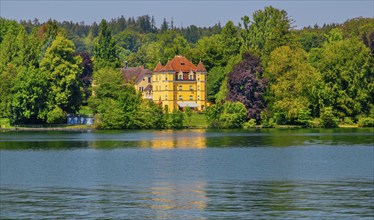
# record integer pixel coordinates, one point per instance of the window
(198, 88)
(191, 88)
(198, 97)
(180, 88)
(180, 76)
(191, 97)
(149, 79)
(166, 77)
(166, 87)
(191, 76)
(180, 97)
(166, 97)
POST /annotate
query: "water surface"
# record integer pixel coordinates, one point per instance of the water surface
(188, 174)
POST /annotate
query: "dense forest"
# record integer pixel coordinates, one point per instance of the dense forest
(261, 71)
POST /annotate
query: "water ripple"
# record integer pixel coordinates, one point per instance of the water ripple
(212, 200)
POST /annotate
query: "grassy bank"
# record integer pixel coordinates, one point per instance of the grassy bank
(197, 121)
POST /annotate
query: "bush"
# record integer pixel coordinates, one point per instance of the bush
(250, 124)
(228, 115)
(348, 121)
(56, 116)
(366, 122)
(328, 119)
(266, 121)
(177, 118)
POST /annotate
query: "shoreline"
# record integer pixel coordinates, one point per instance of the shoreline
(190, 128)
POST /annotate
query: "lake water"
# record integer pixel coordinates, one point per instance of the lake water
(188, 174)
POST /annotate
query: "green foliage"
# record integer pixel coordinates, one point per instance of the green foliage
(269, 29)
(62, 69)
(115, 103)
(293, 82)
(366, 122)
(213, 114)
(29, 98)
(188, 113)
(105, 48)
(346, 68)
(7, 82)
(267, 121)
(228, 115)
(56, 116)
(110, 114)
(214, 81)
(250, 124)
(304, 118)
(328, 119)
(150, 115)
(348, 121)
(177, 118)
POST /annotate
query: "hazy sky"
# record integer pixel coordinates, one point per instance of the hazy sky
(184, 13)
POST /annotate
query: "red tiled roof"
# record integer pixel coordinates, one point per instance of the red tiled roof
(135, 74)
(158, 67)
(201, 67)
(179, 63)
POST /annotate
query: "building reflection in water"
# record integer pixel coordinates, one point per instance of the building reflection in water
(166, 139)
(176, 140)
(164, 199)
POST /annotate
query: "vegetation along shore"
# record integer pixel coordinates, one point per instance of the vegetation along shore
(130, 74)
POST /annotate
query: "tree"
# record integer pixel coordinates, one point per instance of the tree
(62, 69)
(231, 40)
(346, 68)
(29, 100)
(105, 48)
(164, 25)
(115, 104)
(150, 115)
(293, 85)
(7, 81)
(86, 75)
(214, 81)
(246, 86)
(269, 29)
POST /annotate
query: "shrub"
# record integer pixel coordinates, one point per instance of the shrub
(177, 118)
(250, 124)
(366, 122)
(328, 119)
(348, 121)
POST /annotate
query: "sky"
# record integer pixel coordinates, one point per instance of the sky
(185, 13)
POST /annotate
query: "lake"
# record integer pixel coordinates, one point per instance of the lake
(188, 174)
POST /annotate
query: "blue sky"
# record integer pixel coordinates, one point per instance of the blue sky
(184, 13)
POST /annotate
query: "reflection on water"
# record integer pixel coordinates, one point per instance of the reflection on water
(188, 174)
(200, 200)
(169, 139)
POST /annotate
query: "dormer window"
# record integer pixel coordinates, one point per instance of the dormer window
(183, 64)
(190, 76)
(180, 75)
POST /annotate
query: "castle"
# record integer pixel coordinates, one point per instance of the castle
(176, 85)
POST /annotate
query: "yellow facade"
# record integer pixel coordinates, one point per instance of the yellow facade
(178, 89)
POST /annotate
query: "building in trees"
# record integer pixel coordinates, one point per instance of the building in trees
(179, 84)
(141, 78)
